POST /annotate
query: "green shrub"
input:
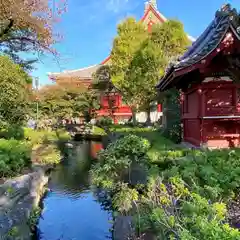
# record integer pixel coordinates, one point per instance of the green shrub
(187, 190)
(14, 156)
(189, 200)
(171, 211)
(116, 160)
(213, 174)
(124, 198)
(172, 112)
(104, 121)
(131, 146)
(15, 131)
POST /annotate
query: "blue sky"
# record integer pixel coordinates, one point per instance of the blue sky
(89, 26)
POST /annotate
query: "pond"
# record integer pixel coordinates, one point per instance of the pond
(72, 208)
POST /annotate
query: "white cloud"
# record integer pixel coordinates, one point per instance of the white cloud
(117, 5)
(101, 10)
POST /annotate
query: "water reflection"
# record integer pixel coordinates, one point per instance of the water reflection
(73, 209)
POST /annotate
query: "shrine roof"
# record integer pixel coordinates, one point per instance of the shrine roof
(226, 18)
(82, 73)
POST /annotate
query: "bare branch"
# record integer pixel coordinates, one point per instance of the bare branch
(7, 28)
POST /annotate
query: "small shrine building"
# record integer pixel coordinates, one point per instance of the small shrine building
(208, 77)
(85, 75)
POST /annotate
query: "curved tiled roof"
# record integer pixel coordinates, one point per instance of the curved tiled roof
(82, 73)
(209, 40)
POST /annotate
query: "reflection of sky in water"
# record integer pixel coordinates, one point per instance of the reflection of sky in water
(71, 209)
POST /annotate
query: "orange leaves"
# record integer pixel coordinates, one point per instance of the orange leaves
(33, 18)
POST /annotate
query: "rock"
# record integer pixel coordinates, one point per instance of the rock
(69, 145)
(93, 121)
(234, 212)
(138, 174)
(18, 197)
(123, 229)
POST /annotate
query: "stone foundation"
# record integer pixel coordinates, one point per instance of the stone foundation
(18, 197)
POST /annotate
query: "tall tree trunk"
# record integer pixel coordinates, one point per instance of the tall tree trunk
(148, 121)
(134, 118)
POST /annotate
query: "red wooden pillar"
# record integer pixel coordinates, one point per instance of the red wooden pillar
(159, 107)
(182, 100)
(235, 99)
(200, 113)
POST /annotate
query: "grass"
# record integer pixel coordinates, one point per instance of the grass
(45, 154)
(124, 129)
(98, 131)
(40, 136)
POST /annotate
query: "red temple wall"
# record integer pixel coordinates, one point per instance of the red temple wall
(219, 101)
(221, 133)
(115, 99)
(191, 131)
(191, 122)
(191, 105)
(211, 115)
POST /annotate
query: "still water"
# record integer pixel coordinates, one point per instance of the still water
(73, 209)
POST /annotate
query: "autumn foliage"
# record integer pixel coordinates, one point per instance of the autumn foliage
(29, 22)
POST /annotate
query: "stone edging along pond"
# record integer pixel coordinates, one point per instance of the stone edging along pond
(19, 202)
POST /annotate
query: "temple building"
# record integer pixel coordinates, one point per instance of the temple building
(85, 75)
(208, 77)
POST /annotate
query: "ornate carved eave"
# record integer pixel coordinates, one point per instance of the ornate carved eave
(221, 37)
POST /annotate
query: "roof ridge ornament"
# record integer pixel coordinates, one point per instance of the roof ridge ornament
(153, 3)
(227, 11)
(224, 10)
(226, 7)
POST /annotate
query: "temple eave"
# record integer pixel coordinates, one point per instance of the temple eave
(219, 40)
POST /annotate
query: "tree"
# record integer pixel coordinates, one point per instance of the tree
(165, 42)
(103, 86)
(102, 79)
(144, 70)
(171, 38)
(27, 26)
(14, 92)
(87, 103)
(66, 101)
(53, 103)
(131, 36)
